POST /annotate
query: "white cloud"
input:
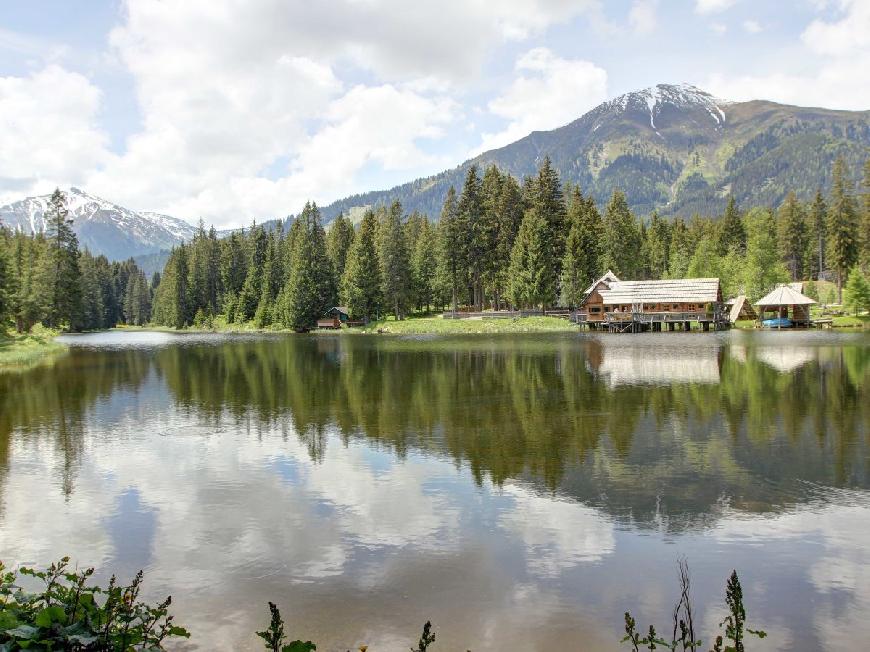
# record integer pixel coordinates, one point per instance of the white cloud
(752, 26)
(48, 131)
(548, 92)
(713, 6)
(841, 53)
(719, 28)
(642, 16)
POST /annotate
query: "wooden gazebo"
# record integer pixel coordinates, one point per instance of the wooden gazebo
(786, 303)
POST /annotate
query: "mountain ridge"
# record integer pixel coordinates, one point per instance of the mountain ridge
(672, 148)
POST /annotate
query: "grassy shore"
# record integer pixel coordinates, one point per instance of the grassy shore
(22, 351)
(439, 326)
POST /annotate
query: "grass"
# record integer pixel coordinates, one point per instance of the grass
(439, 326)
(22, 351)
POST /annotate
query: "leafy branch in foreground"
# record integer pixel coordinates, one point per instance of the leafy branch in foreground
(70, 614)
(683, 633)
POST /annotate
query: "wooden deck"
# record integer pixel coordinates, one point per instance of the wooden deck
(639, 322)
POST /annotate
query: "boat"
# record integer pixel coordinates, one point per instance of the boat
(779, 322)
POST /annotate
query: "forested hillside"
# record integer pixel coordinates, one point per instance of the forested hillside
(673, 149)
(500, 243)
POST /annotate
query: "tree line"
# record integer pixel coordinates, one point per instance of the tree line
(503, 243)
(497, 243)
(46, 278)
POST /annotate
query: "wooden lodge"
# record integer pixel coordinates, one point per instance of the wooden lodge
(638, 306)
(334, 318)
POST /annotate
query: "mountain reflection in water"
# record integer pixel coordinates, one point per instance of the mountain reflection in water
(521, 489)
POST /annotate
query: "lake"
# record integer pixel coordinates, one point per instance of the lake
(522, 492)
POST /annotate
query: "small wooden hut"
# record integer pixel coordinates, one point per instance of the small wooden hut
(740, 308)
(334, 318)
(591, 307)
(784, 302)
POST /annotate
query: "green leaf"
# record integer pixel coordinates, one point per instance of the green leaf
(23, 632)
(50, 615)
(299, 646)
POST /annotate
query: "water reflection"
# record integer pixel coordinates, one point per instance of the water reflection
(544, 481)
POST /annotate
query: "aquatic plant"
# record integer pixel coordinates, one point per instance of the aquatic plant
(68, 613)
(683, 633)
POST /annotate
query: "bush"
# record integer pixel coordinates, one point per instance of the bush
(69, 614)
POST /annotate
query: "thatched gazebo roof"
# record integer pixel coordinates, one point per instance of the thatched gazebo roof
(784, 295)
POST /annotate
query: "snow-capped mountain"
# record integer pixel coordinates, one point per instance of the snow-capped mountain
(102, 227)
(671, 148)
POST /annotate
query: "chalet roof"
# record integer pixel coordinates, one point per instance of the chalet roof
(340, 309)
(784, 295)
(608, 277)
(797, 286)
(687, 290)
(740, 307)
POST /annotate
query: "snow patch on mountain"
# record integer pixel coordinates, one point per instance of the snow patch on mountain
(102, 226)
(681, 96)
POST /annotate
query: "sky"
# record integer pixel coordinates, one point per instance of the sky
(233, 110)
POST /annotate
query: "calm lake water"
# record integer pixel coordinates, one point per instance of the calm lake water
(521, 492)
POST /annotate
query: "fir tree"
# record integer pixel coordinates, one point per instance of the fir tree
(679, 252)
(171, 307)
(793, 236)
(732, 234)
(338, 242)
(310, 290)
(509, 213)
(550, 202)
(62, 266)
(424, 266)
(842, 226)
(5, 281)
(658, 246)
(621, 241)
(469, 213)
(394, 263)
(763, 269)
(533, 270)
(857, 291)
(864, 252)
(453, 249)
(361, 281)
(249, 296)
(818, 215)
(581, 260)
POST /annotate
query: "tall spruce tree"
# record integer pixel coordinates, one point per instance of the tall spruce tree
(171, 306)
(5, 281)
(469, 212)
(658, 245)
(621, 239)
(732, 234)
(338, 241)
(310, 290)
(453, 249)
(62, 266)
(818, 216)
(509, 213)
(864, 252)
(793, 236)
(549, 199)
(249, 296)
(763, 268)
(533, 268)
(581, 262)
(424, 266)
(842, 226)
(394, 263)
(361, 281)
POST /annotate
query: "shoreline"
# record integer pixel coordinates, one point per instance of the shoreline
(23, 351)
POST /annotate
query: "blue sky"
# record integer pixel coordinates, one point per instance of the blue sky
(235, 110)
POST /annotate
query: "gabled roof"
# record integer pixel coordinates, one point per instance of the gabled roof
(340, 309)
(608, 278)
(784, 295)
(740, 307)
(687, 290)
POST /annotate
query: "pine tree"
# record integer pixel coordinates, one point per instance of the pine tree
(818, 215)
(394, 263)
(658, 246)
(857, 291)
(549, 199)
(864, 252)
(621, 240)
(581, 260)
(486, 235)
(5, 281)
(533, 270)
(338, 241)
(764, 268)
(249, 296)
(793, 236)
(171, 306)
(842, 226)
(679, 252)
(62, 266)
(361, 281)
(270, 285)
(310, 290)
(732, 234)
(233, 271)
(453, 249)
(423, 266)
(509, 213)
(470, 214)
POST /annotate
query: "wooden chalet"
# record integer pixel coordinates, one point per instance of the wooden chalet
(637, 306)
(740, 308)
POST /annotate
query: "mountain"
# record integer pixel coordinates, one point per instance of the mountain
(101, 226)
(671, 148)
